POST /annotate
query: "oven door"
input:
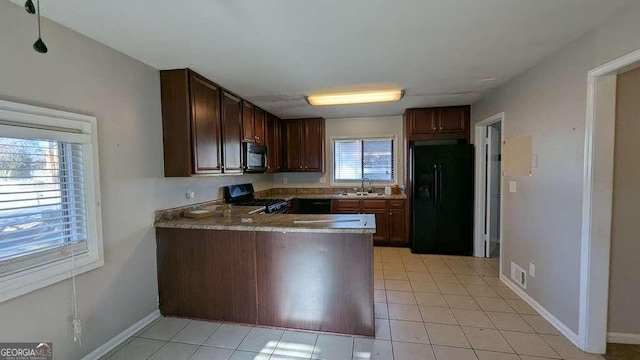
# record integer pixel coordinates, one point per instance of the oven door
(255, 157)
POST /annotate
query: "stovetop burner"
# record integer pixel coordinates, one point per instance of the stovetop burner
(259, 202)
(243, 195)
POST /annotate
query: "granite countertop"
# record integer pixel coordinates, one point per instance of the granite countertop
(379, 196)
(335, 223)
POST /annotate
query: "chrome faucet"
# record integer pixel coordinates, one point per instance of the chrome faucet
(370, 185)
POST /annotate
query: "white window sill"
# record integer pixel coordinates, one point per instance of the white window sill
(29, 280)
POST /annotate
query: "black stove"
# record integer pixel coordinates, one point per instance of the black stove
(243, 195)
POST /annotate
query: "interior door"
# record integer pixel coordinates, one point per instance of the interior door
(455, 199)
(492, 195)
(425, 212)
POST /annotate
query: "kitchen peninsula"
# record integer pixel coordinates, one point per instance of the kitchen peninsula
(312, 272)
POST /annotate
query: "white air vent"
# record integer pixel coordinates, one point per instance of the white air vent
(518, 275)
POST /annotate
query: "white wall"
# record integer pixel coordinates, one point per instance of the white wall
(81, 75)
(542, 221)
(358, 127)
(624, 289)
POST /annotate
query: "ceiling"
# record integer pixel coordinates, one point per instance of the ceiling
(273, 52)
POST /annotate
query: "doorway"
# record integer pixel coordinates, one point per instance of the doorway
(488, 208)
(598, 201)
(493, 170)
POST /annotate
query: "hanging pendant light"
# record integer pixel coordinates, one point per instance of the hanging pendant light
(39, 45)
(29, 7)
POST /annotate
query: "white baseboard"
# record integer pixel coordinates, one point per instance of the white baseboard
(118, 339)
(623, 338)
(564, 329)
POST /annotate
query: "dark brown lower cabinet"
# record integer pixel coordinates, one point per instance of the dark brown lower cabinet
(390, 217)
(310, 281)
(207, 274)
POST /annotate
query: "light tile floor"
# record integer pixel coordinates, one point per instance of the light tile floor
(426, 307)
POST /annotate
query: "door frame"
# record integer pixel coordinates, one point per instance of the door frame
(597, 204)
(480, 175)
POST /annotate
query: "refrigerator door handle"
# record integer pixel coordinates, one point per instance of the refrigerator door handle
(435, 183)
(439, 183)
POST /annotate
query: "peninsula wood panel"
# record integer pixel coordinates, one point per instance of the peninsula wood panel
(207, 274)
(298, 280)
(318, 282)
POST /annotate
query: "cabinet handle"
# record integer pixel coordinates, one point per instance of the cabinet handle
(306, 167)
(300, 166)
(440, 127)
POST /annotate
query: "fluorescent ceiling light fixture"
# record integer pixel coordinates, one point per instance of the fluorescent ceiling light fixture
(362, 97)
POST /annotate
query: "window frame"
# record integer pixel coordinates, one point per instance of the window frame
(349, 183)
(30, 120)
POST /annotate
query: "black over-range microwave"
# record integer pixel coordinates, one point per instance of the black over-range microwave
(255, 157)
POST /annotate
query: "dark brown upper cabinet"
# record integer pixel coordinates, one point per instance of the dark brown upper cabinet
(423, 121)
(248, 118)
(304, 145)
(191, 124)
(253, 123)
(273, 141)
(258, 126)
(232, 132)
(442, 123)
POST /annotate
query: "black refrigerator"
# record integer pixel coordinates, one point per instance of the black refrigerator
(442, 199)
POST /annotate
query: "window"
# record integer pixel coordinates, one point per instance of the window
(355, 159)
(49, 196)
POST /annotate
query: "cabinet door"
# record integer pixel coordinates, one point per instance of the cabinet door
(453, 120)
(382, 224)
(231, 133)
(314, 145)
(345, 207)
(396, 225)
(248, 116)
(205, 125)
(258, 127)
(423, 121)
(271, 141)
(279, 148)
(294, 151)
(379, 209)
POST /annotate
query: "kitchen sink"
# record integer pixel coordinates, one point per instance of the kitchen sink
(361, 194)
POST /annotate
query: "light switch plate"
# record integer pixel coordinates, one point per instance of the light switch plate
(284, 180)
(512, 186)
(532, 270)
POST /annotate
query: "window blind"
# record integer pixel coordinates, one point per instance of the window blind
(355, 159)
(42, 202)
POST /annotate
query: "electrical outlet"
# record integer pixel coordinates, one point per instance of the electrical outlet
(323, 180)
(190, 194)
(534, 161)
(284, 180)
(512, 186)
(532, 270)
(518, 275)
